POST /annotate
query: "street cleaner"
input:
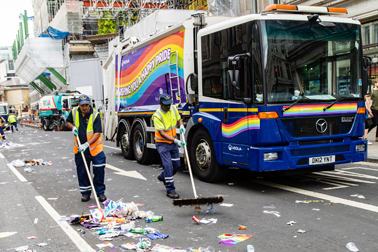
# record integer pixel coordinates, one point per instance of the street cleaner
(85, 123)
(165, 120)
(13, 121)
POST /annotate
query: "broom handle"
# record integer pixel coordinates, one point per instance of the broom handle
(190, 169)
(89, 175)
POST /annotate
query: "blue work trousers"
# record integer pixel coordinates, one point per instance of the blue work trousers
(99, 163)
(14, 124)
(170, 157)
(2, 132)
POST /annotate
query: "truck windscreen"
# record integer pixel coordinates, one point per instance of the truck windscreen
(3, 110)
(308, 60)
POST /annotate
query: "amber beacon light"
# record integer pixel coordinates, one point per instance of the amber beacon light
(304, 9)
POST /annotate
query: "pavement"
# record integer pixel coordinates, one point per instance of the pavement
(372, 148)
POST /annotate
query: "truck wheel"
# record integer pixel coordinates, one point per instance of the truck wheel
(126, 146)
(203, 160)
(142, 154)
(45, 126)
(62, 126)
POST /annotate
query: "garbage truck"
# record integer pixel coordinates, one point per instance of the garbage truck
(54, 109)
(277, 92)
(4, 110)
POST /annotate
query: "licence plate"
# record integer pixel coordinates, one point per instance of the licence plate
(321, 160)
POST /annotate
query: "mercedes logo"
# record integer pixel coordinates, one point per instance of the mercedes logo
(321, 125)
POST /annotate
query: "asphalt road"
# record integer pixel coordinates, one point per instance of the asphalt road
(32, 203)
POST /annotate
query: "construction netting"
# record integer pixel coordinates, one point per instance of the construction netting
(224, 7)
(36, 56)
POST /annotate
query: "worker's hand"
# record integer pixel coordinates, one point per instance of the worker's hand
(179, 143)
(75, 131)
(83, 147)
(182, 129)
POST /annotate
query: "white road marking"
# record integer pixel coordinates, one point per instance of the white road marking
(352, 174)
(1, 156)
(81, 244)
(110, 147)
(133, 174)
(319, 196)
(19, 176)
(362, 168)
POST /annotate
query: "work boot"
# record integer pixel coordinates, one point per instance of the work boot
(161, 179)
(173, 195)
(102, 197)
(85, 198)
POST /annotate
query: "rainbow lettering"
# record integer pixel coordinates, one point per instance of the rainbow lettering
(246, 123)
(302, 110)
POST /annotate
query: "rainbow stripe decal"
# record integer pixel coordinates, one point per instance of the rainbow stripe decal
(246, 123)
(303, 110)
(142, 72)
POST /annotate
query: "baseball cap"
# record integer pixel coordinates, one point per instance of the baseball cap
(84, 99)
(166, 99)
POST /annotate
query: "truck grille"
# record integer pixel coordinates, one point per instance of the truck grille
(306, 126)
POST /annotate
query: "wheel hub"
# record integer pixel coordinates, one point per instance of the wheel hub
(139, 144)
(125, 142)
(203, 156)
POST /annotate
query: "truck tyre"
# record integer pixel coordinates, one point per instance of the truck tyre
(142, 154)
(203, 160)
(62, 126)
(45, 125)
(126, 143)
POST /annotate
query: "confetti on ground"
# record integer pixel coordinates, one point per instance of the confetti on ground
(233, 239)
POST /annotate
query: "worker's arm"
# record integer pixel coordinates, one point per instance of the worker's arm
(368, 105)
(166, 136)
(94, 138)
(69, 125)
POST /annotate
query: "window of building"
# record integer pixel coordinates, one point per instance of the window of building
(11, 75)
(10, 65)
(367, 35)
(376, 33)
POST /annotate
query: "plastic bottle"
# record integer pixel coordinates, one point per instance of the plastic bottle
(250, 248)
(137, 230)
(154, 218)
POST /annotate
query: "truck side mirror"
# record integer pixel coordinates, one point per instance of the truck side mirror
(65, 104)
(194, 82)
(233, 76)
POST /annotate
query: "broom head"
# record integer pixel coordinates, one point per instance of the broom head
(198, 201)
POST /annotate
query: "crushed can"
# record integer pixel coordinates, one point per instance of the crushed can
(196, 220)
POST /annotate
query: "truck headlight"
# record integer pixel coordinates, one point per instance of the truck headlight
(270, 156)
(360, 147)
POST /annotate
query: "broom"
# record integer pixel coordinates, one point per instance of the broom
(89, 176)
(196, 200)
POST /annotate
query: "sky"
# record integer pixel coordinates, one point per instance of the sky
(10, 11)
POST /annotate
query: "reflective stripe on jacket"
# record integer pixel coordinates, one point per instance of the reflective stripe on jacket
(98, 145)
(169, 120)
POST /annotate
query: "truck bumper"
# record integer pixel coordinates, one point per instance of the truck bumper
(298, 156)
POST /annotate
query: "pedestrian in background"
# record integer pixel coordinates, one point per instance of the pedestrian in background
(165, 120)
(13, 121)
(85, 123)
(2, 120)
(372, 108)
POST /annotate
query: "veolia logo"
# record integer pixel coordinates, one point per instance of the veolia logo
(230, 147)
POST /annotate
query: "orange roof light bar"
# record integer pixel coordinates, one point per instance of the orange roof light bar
(305, 9)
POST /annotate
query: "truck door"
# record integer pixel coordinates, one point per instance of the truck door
(235, 127)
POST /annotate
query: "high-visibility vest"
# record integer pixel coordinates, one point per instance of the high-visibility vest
(169, 120)
(12, 119)
(98, 145)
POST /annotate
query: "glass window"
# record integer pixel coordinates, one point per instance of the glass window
(319, 63)
(10, 65)
(3, 110)
(367, 35)
(218, 49)
(376, 33)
